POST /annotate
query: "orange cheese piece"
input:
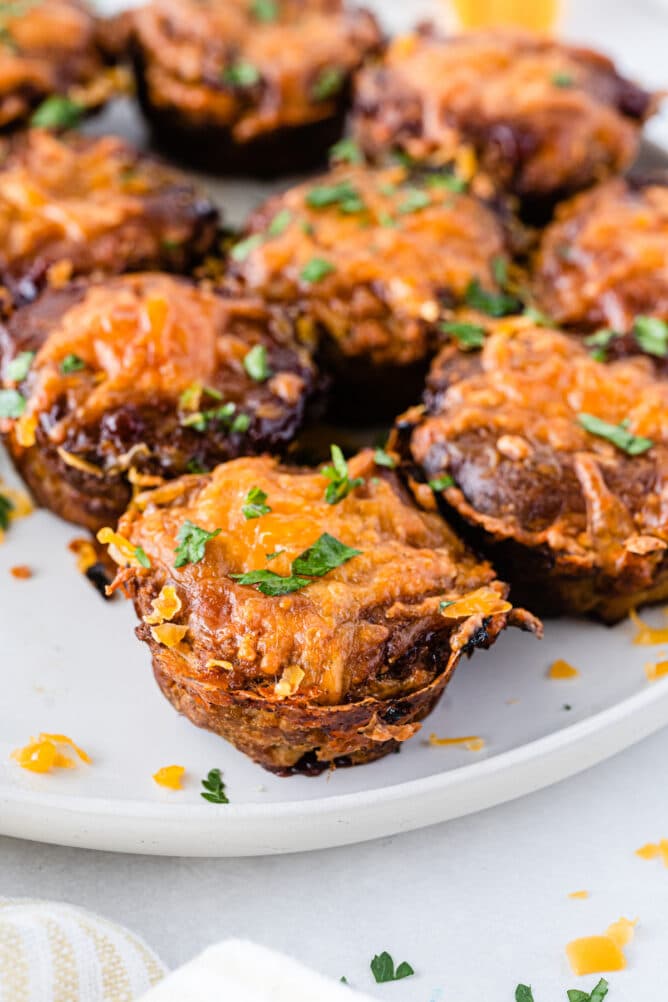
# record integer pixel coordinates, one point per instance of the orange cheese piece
(652, 850)
(561, 669)
(601, 954)
(43, 753)
(647, 635)
(471, 742)
(483, 600)
(170, 776)
(656, 670)
(579, 895)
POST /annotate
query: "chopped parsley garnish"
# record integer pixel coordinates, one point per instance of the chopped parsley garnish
(382, 968)
(340, 485)
(142, 557)
(196, 465)
(279, 223)
(328, 83)
(240, 424)
(214, 788)
(441, 483)
(315, 270)
(57, 112)
(618, 434)
(265, 10)
(447, 180)
(12, 404)
(241, 250)
(652, 335)
(537, 317)
(600, 341)
(72, 363)
(468, 336)
(192, 540)
(326, 554)
(19, 366)
(597, 994)
(346, 151)
(344, 195)
(495, 304)
(385, 219)
(562, 80)
(523, 993)
(444, 603)
(500, 271)
(382, 458)
(241, 74)
(5, 507)
(272, 556)
(225, 415)
(256, 364)
(169, 244)
(414, 201)
(255, 504)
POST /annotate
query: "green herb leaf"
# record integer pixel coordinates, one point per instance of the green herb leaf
(57, 112)
(600, 342)
(500, 271)
(240, 424)
(576, 995)
(142, 557)
(241, 74)
(256, 364)
(71, 363)
(270, 583)
(192, 543)
(195, 465)
(382, 458)
(495, 304)
(597, 994)
(344, 195)
(12, 404)
(618, 434)
(241, 250)
(214, 788)
(315, 270)
(468, 336)
(444, 603)
(346, 151)
(385, 219)
(415, 200)
(329, 82)
(265, 10)
(6, 506)
(382, 968)
(652, 335)
(279, 223)
(441, 483)
(272, 556)
(447, 180)
(324, 556)
(537, 317)
(170, 244)
(562, 80)
(255, 504)
(523, 993)
(340, 485)
(19, 367)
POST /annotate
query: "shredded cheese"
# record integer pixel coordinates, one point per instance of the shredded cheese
(120, 549)
(656, 670)
(170, 776)
(79, 464)
(168, 634)
(601, 954)
(289, 682)
(647, 635)
(21, 571)
(165, 606)
(215, 663)
(579, 895)
(561, 669)
(483, 600)
(25, 429)
(654, 849)
(471, 742)
(85, 553)
(43, 753)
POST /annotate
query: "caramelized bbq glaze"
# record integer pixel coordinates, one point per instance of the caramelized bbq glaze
(231, 87)
(604, 260)
(158, 386)
(339, 672)
(72, 205)
(572, 520)
(545, 118)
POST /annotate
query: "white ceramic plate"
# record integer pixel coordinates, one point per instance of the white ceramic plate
(69, 663)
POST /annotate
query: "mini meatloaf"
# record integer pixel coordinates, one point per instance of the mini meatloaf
(308, 632)
(545, 119)
(604, 260)
(141, 378)
(78, 206)
(371, 262)
(251, 86)
(555, 464)
(49, 51)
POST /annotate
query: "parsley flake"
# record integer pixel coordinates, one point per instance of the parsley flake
(600, 342)
(142, 557)
(468, 336)
(382, 968)
(240, 424)
(214, 788)
(265, 10)
(279, 223)
(315, 270)
(523, 993)
(255, 504)
(340, 485)
(270, 583)
(344, 195)
(618, 434)
(415, 201)
(18, 368)
(326, 554)
(562, 80)
(12, 404)
(441, 483)
(241, 74)
(495, 304)
(328, 83)
(192, 540)
(652, 335)
(241, 250)
(256, 364)
(6, 506)
(57, 112)
(382, 458)
(346, 151)
(597, 993)
(447, 180)
(72, 363)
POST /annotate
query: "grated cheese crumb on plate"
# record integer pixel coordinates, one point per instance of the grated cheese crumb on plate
(471, 742)
(654, 849)
(170, 776)
(579, 895)
(561, 669)
(656, 670)
(604, 953)
(21, 572)
(647, 635)
(44, 753)
(85, 553)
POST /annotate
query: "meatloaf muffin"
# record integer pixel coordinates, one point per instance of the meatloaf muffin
(49, 52)
(140, 378)
(254, 86)
(308, 628)
(555, 464)
(545, 119)
(76, 206)
(604, 260)
(371, 262)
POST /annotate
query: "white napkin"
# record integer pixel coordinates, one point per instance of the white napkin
(239, 971)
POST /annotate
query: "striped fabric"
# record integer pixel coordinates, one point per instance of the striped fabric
(52, 952)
